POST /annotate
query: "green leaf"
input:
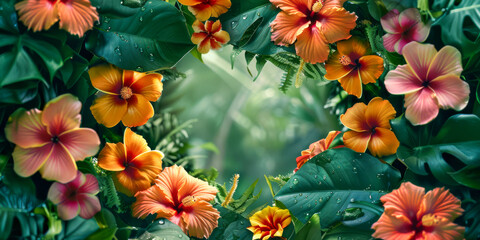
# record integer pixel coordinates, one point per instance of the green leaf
(240, 205)
(454, 22)
(8, 17)
(104, 233)
(377, 9)
(348, 233)
(330, 181)
(78, 229)
(164, 229)
(54, 224)
(455, 145)
(468, 176)
(400, 5)
(155, 37)
(113, 9)
(312, 230)
(238, 231)
(227, 218)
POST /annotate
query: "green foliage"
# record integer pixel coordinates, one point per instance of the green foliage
(311, 230)
(231, 225)
(399, 4)
(78, 229)
(114, 8)
(455, 146)
(330, 181)
(162, 229)
(377, 9)
(153, 38)
(287, 80)
(246, 200)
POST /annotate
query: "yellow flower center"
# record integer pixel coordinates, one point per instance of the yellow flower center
(317, 6)
(126, 93)
(345, 60)
(188, 201)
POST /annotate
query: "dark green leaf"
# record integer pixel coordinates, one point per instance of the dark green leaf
(113, 9)
(227, 218)
(78, 229)
(165, 229)
(400, 5)
(377, 9)
(348, 233)
(468, 176)
(312, 230)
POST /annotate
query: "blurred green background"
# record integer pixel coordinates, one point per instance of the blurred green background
(257, 129)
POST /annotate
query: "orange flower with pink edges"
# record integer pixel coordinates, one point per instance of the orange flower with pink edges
(351, 65)
(315, 148)
(125, 95)
(134, 164)
(209, 35)
(370, 128)
(76, 16)
(182, 199)
(269, 223)
(50, 141)
(411, 214)
(204, 9)
(311, 25)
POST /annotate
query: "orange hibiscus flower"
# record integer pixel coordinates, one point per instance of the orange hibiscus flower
(209, 35)
(204, 9)
(311, 25)
(126, 95)
(411, 214)
(352, 67)
(269, 223)
(315, 148)
(182, 199)
(370, 128)
(134, 164)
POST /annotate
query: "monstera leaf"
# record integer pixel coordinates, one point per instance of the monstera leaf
(155, 37)
(457, 144)
(459, 20)
(328, 183)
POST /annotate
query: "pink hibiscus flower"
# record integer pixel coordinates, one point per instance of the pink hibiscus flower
(51, 140)
(430, 80)
(76, 197)
(403, 28)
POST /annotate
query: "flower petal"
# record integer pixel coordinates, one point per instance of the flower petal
(198, 26)
(447, 61)
(352, 83)
(451, 92)
(106, 78)
(129, 77)
(131, 181)
(422, 106)
(68, 209)
(171, 179)
(190, 2)
(409, 17)
(390, 40)
(293, 7)
(312, 46)
(27, 161)
(80, 142)
(139, 110)
(150, 86)
(330, 137)
(198, 37)
(61, 114)
(56, 193)
(419, 57)
(220, 7)
(286, 28)
(201, 11)
(371, 68)
(25, 129)
(149, 163)
(390, 22)
(37, 15)
(336, 23)
(204, 46)
(109, 110)
(391, 227)
(151, 201)
(441, 229)
(355, 119)
(89, 205)
(402, 81)
(90, 186)
(196, 187)
(135, 144)
(112, 157)
(354, 48)
(77, 16)
(222, 37)
(383, 143)
(406, 200)
(60, 165)
(379, 113)
(441, 203)
(336, 70)
(357, 141)
(201, 220)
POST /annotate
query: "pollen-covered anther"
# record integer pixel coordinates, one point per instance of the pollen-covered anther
(126, 93)
(188, 201)
(345, 60)
(317, 6)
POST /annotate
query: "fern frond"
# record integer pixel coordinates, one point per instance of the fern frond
(287, 80)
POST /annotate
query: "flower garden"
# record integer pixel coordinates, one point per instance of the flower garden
(90, 151)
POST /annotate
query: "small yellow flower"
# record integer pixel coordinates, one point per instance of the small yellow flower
(269, 223)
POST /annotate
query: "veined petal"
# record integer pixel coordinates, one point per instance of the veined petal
(447, 61)
(61, 114)
(56, 193)
(379, 113)
(286, 28)
(354, 48)
(196, 187)
(441, 203)
(90, 186)
(131, 181)
(352, 83)
(109, 110)
(336, 70)
(408, 18)
(214, 44)
(77, 16)
(406, 200)
(355, 119)
(402, 81)
(171, 180)
(190, 2)
(80, 142)
(135, 144)
(390, 22)
(129, 77)
(357, 141)
(336, 23)
(294, 7)
(390, 40)
(139, 110)
(443, 229)
(151, 201)
(390, 227)
(201, 11)
(220, 7)
(333, 3)
(419, 32)
(451, 91)
(106, 78)
(422, 106)
(60, 165)
(383, 143)
(330, 137)
(27, 161)
(68, 209)
(371, 68)
(25, 129)
(201, 219)
(198, 26)
(112, 157)
(89, 205)
(312, 46)
(204, 46)
(37, 15)
(222, 37)
(419, 57)
(198, 37)
(150, 163)
(150, 86)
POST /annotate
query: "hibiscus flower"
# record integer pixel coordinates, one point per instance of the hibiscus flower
(209, 35)
(204, 9)
(269, 223)
(315, 148)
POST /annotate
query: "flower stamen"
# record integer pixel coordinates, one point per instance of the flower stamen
(188, 201)
(317, 6)
(126, 93)
(345, 60)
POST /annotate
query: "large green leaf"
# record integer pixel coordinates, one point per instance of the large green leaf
(332, 180)
(459, 20)
(456, 144)
(113, 8)
(155, 37)
(78, 229)
(164, 229)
